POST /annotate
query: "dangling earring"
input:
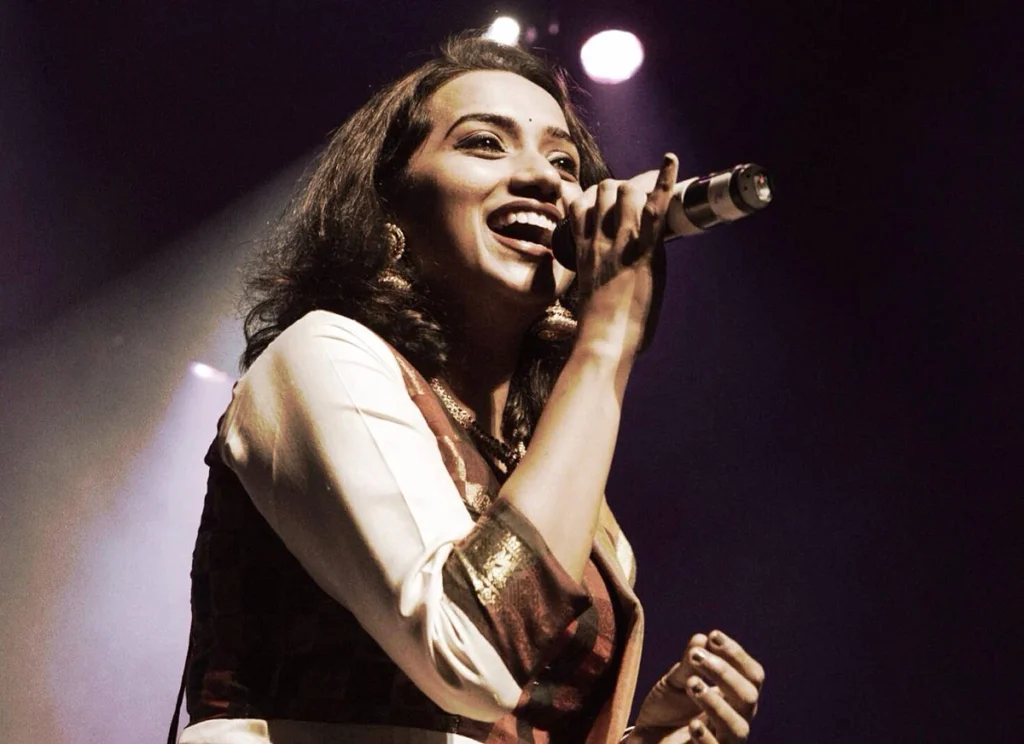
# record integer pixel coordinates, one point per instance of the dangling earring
(557, 324)
(396, 247)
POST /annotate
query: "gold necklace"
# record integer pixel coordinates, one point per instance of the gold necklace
(504, 457)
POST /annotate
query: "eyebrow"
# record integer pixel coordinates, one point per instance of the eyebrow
(509, 124)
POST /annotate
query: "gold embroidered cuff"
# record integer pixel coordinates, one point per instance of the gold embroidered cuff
(503, 576)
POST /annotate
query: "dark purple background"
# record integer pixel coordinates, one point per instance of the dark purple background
(821, 453)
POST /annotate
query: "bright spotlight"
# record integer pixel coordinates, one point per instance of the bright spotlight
(206, 372)
(612, 56)
(504, 30)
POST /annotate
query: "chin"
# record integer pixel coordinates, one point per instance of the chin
(531, 282)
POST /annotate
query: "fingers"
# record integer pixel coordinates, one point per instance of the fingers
(724, 681)
(655, 209)
(721, 661)
(648, 225)
(695, 730)
(684, 669)
(617, 222)
(725, 723)
(698, 732)
(725, 647)
(609, 219)
(630, 206)
(737, 690)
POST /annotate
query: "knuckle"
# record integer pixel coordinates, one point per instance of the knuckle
(577, 211)
(628, 232)
(634, 195)
(650, 211)
(628, 189)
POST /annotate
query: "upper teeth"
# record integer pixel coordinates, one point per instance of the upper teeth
(528, 218)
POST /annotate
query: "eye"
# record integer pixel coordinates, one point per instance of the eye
(566, 164)
(482, 141)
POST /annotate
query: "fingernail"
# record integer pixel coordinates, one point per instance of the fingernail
(667, 161)
(716, 638)
(698, 730)
(697, 687)
(698, 656)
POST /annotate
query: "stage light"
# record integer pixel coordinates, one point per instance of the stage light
(612, 56)
(504, 30)
(206, 372)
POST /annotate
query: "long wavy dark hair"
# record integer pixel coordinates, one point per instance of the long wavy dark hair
(330, 248)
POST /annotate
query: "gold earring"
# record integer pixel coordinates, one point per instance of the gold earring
(557, 324)
(396, 241)
(396, 247)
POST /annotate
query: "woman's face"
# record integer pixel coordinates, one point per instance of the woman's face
(486, 187)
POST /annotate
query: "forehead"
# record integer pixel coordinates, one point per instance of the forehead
(496, 92)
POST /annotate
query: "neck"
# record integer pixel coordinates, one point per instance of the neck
(483, 357)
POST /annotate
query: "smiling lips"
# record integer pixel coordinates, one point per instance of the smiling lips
(523, 229)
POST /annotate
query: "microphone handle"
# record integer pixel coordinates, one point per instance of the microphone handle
(697, 205)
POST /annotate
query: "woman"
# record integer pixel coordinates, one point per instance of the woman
(405, 536)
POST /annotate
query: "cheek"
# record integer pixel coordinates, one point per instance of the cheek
(435, 213)
(563, 278)
(450, 206)
(570, 193)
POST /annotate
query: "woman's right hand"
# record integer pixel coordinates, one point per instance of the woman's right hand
(619, 227)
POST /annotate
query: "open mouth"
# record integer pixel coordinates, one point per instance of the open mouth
(523, 227)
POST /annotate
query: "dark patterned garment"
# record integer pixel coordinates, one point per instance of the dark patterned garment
(268, 643)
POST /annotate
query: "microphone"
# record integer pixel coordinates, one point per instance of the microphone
(697, 205)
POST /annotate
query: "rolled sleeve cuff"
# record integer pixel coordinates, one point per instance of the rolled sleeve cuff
(505, 579)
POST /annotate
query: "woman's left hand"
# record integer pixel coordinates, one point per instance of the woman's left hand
(710, 696)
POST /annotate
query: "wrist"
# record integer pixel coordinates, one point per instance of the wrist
(609, 341)
(612, 322)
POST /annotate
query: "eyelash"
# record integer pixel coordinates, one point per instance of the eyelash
(571, 168)
(491, 143)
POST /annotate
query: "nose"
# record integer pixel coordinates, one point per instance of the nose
(536, 177)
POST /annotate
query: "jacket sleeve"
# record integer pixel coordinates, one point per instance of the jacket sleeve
(339, 460)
